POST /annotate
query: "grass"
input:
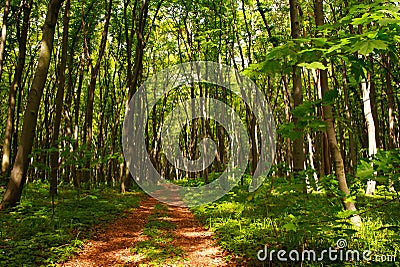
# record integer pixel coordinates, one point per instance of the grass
(287, 219)
(30, 235)
(244, 223)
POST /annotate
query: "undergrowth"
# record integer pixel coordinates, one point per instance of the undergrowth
(287, 219)
(30, 235)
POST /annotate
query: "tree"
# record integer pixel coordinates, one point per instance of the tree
(297, 95)
(18, 173)
(54, 157)
(4, 35)
(15, 85)
(331, 132)
(93, 78)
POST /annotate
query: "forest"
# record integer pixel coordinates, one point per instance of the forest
(199, 133)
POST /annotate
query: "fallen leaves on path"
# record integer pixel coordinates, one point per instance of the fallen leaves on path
(113, 246)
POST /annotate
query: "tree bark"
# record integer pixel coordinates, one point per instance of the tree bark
(297, 94)
(126, 179)
(286, 99)
(331, 132)
(374, 106)
(390, 104)
(15, 86)
(93, 78)
(54, 157)
(18, 174)
(4, 35)
(352, 143)
(366, 89)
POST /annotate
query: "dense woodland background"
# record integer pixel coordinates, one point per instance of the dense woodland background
(329, 70)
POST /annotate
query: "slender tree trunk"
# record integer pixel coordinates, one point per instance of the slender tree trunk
(4, 35)
(366, 87)
(323, 138)
(341, 130)
(76, 174)
(374, 106)
(59, 103)
(390, 104)
(331, 132)
(267, 26)
(297, 95)
(311, 158)
(286, 98)
(18, 173)
(352, 143)
(366, 90)
(126, 180)
(15, 86)
(92, 85)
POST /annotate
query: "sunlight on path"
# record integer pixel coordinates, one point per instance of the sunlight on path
(113, 246)
(196, 241)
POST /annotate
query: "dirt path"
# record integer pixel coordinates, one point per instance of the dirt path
(187, 243)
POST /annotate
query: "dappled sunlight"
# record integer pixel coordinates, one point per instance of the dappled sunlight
(111, 247)
(151, 234)
(194, 239)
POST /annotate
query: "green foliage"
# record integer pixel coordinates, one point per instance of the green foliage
(45, 239)
(385, 164)
(365, 47)
(288, 219)
(306, 120)
(313, 65)
(288, 130)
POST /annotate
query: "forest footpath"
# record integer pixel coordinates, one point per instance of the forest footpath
(153, 234)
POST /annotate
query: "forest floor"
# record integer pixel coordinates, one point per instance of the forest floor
(153, 234)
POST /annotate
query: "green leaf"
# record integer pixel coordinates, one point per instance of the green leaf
(367, 46)
(357, 70)
(290, 226)
(313, 65)
(335, 48)
(330, 96)
(364, 19)
(346, 213)
(271, 66)
(386, 21)
(301, 110)
(288, 130)
(365, 170)
(317, 125)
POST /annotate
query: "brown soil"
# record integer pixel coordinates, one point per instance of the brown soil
(112, 246)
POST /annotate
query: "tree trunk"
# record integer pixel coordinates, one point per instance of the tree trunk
(374, 106)
(92, 85)
(390, 103)
(366, 88)
(126, 179)
(15, 85)
(59, 103)
(18, 173)
(76, 174)
(369, 118)
(297, 94)
(286, 99)
(331, 132)
(4, 35)
(352, 145)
